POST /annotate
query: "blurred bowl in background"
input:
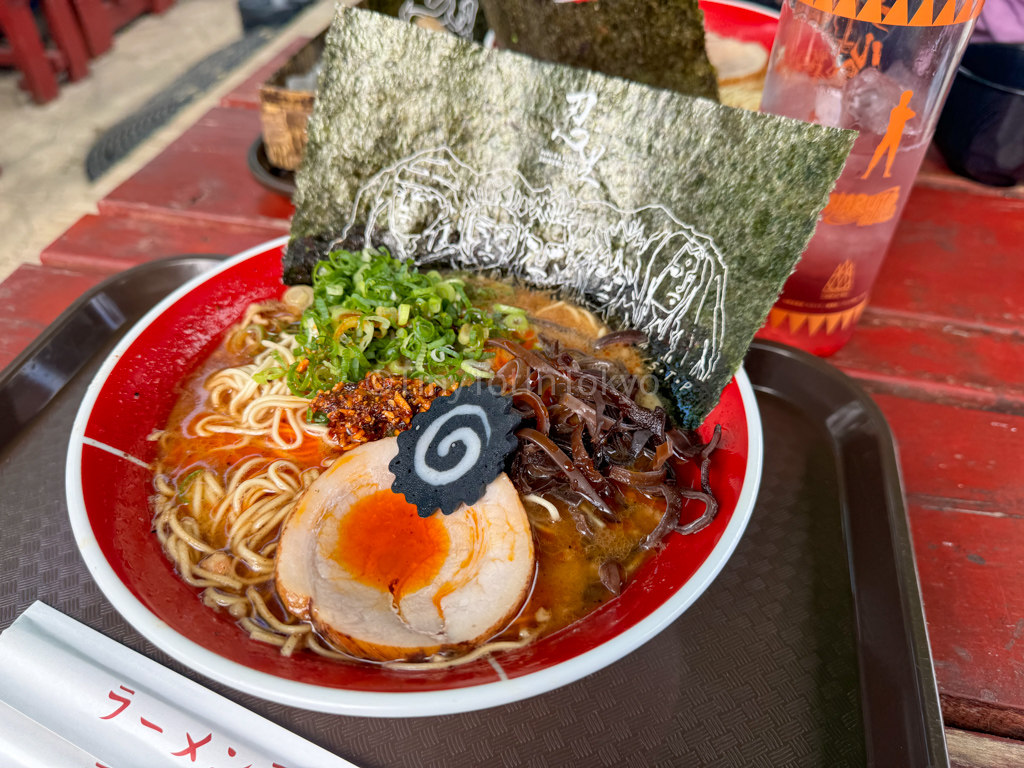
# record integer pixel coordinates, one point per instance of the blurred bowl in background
(981, 130)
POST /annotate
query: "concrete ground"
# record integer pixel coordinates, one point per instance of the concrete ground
(43, 186)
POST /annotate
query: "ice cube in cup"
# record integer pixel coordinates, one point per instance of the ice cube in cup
(869, 100)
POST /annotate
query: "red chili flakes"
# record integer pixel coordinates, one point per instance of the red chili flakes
(376, 407)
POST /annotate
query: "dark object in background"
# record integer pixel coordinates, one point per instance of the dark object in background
(287, 99)
(655, 42)
(270, 177)
(121, 138)
(981, 130)
(269, 13)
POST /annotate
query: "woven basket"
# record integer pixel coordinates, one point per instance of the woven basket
(284, 113)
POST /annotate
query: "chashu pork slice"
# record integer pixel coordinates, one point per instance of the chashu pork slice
(381, 583)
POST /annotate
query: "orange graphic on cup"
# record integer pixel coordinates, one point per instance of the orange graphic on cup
(898, 118)
(861, 209)
(840, 284)
(858, 59)
(897, 15)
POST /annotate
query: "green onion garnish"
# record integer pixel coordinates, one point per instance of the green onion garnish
(374, 312)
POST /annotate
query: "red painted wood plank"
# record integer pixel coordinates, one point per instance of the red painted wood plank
(53, 55)
(972, 582)
(958, 458)
(32, 298)
(96, 26)
(68, 36)
(963, 473)
(122, 12)
(958, 257)
(939, 361)
(247, 94)
(108, 244)
(16, 336)
(19, 27)
(203, 175)
(36, 294)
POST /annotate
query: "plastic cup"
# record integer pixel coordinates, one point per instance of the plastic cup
(883, 70)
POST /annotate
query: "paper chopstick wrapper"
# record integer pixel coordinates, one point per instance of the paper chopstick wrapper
(24, 743)
(70, 696)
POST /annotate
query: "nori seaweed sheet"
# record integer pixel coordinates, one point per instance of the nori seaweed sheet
(656, 42)
(304, 252)
(663, 212)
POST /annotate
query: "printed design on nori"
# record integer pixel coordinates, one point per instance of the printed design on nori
(460, 17)
(632, 163)
(455, 449)
(457, 17)
(644, 267)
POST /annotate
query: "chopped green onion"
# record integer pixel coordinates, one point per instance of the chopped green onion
(268, 375)
(516, 322)
(476, 372)
(186, 483)
(373, 312)
(315, 417)
(505, 309)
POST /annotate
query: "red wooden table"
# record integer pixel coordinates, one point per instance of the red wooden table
(940, 348)
(77, 33)
(23, 48)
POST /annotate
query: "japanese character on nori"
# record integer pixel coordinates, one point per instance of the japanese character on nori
(667, 213)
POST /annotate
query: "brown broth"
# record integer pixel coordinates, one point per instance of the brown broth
(567, 585)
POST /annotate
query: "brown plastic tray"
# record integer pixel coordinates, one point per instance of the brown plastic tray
(809, 649)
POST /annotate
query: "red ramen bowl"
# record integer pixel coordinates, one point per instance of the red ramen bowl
(109, 484)
(741, 20)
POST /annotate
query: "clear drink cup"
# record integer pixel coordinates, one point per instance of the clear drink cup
(883, 70)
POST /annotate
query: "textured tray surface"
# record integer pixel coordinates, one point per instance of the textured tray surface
(760, 671)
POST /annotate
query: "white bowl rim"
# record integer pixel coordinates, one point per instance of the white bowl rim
(342, 701)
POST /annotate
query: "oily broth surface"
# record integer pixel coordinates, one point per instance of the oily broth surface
(181, 452)
(567, 584)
